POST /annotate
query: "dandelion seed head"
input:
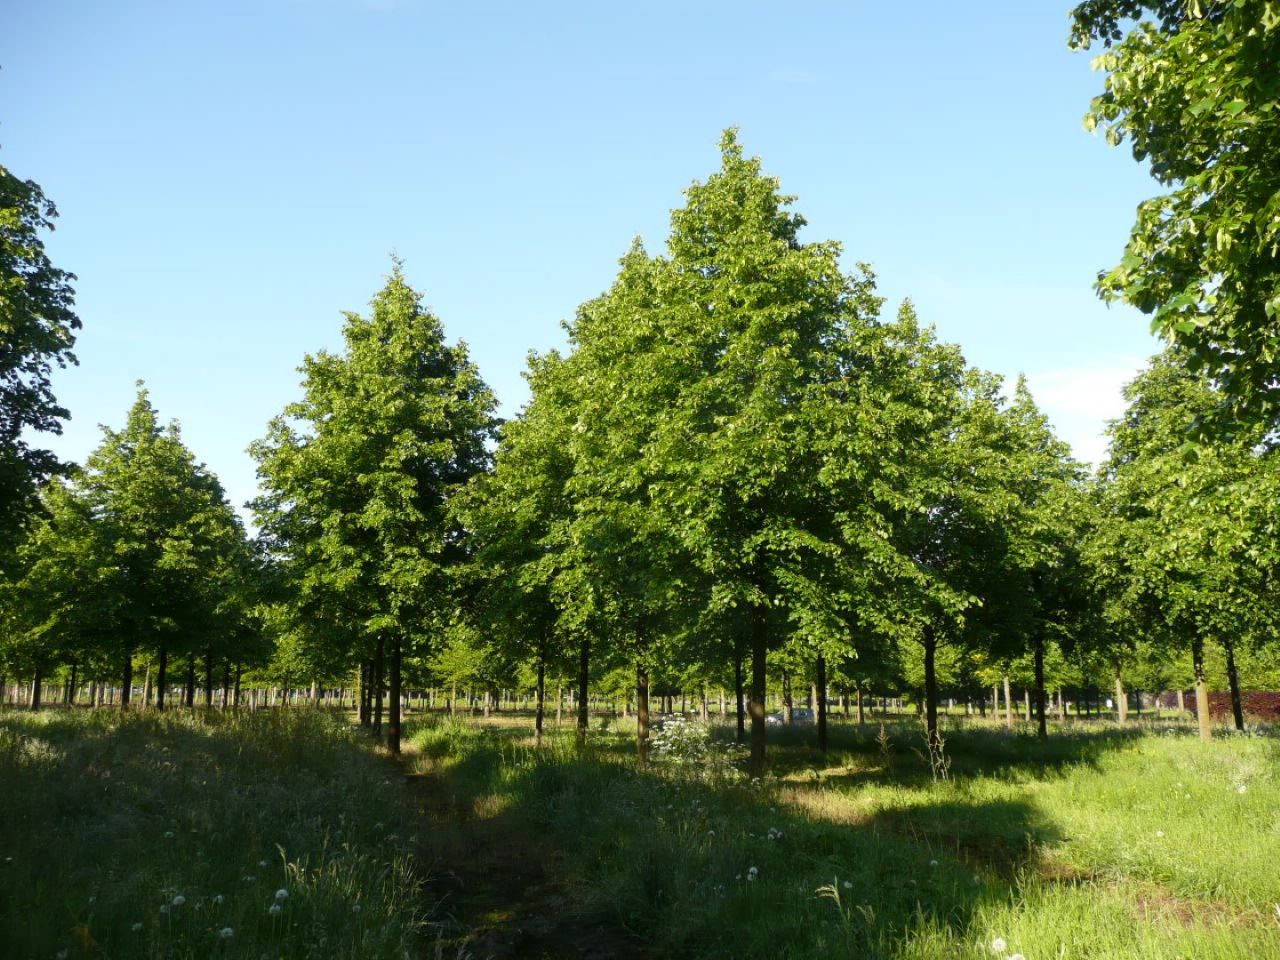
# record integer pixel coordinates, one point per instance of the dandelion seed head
(282, 894)
(848, 884)
(274, 910)
(179, 900)
(136, 927)
(218, 900)
(1159, 833)
(168, 834)
(998, 945)
(164, 908)
(226, 933)
(933, 863)
(1241, 789)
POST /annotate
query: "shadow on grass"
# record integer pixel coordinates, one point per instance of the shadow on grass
(559, 853)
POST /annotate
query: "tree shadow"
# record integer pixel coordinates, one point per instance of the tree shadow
(582, 854)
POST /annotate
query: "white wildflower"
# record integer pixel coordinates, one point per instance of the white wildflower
(998, 945)
(848, 884)
(752, 874)
(282, 894)
(226, 933)
(1241, 789)
(1159, 833)
(274, 910)
(1016, 956)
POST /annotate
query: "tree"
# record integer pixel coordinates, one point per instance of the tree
(1186, 531)
(140, 551)
(1193, 85)
(37, 332)
(359, 475)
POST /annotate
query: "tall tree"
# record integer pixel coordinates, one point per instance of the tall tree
(1193, 85)
(37, 331)
(359, 475)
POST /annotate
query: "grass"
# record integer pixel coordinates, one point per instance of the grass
(168, 836)
(1100, 844)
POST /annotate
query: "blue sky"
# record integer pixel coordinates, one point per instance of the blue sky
(231, 176)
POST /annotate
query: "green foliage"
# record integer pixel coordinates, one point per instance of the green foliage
(37, 331)
(1193, 86)
(139, 551)
(358, 476)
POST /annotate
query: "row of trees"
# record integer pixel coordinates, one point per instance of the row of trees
(740, 472)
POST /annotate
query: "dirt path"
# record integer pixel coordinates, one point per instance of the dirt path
(499, 887)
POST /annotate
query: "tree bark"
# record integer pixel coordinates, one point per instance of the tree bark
(235, 693)
(738, 693)
(162, 679)
(1008, 703)
(366, 699)
(1202, 691)
(584, 682)
(821, 696)
(36, 682)
(862, 716)
(1122, 698)
(1233, 680)
(393, 721)
(930, 641)
(1042, 728)
(642, 713)
(379, 654)
(189, 694)
(208, 678)
(759, 654)
(126, 682)
(541, 695)
(788, 706)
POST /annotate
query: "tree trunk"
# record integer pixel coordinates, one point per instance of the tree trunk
(930, 642)
(1008, 703)
(162, 679)
(705, 712)
(1042, 728)
(559, 703)
(738, 694)
(820, 690)
(379, 665)
(642, 713)
(541, 695)
(1122, 698)
(189, 694)
(759, 654)
(1026, 702)
(36, 682)
(584, 682)
(71, 683)
(788, 706)
(1182, 702)
(366, 698)
(393, 721)
(208, 678)
(126, 682)
(1233, 680)
(146, 688)
(1202, 691)
(721, 705)
(862, 715)
(235, 693)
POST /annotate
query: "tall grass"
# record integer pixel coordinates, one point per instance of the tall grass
(1048, 850)
(169, 836)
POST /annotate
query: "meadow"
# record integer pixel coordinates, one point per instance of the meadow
(288, 833)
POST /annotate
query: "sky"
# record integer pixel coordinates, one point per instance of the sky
(231, 176)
